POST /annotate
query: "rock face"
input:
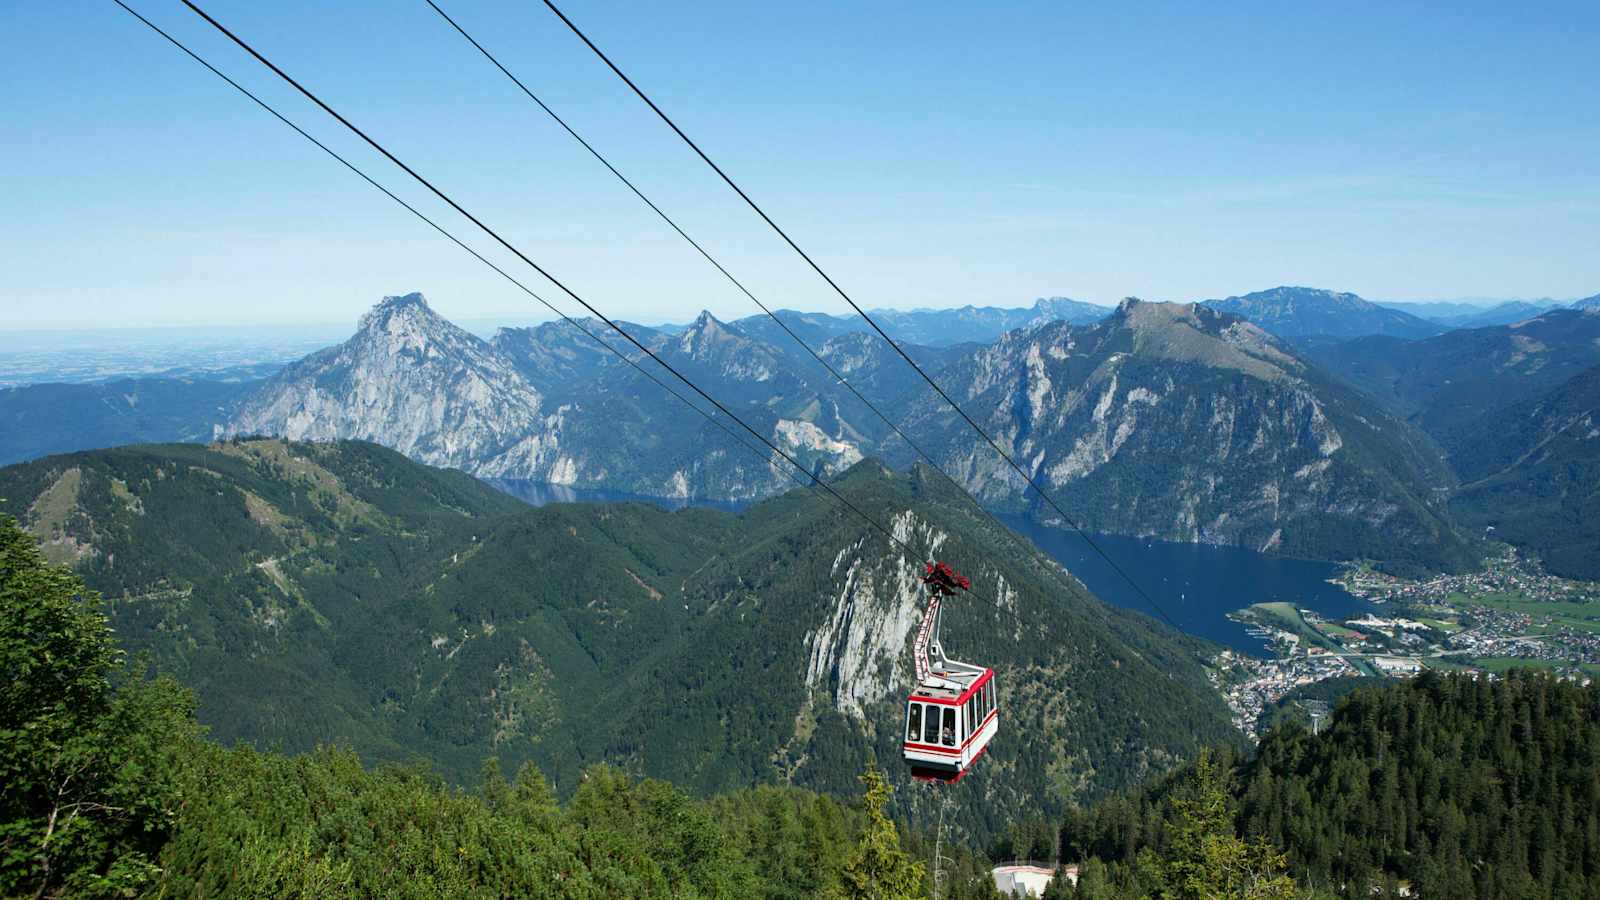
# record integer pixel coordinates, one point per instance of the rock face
(548, 404)
(1185, 423)
(1299, 312)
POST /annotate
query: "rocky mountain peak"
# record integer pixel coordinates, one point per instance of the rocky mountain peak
(412, 307)
(706, 335)
(410, 380)
(1149, 316)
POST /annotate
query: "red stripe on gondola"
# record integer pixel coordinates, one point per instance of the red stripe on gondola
(926, 774)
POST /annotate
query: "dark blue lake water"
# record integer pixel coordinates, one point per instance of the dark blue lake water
(1196, 584)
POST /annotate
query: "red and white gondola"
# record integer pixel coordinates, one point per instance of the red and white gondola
(954, 710)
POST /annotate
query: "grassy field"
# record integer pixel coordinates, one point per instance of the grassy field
(1283, 615)
(1280, 614)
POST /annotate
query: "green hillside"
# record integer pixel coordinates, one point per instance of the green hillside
(314, 594)
(1532, 473)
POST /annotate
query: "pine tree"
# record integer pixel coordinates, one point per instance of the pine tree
(1205, 859)
(879, 869)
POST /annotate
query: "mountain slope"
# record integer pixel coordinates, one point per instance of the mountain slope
(1532, 472)
(1501, 314)
(1181, 422)
(1444, 382)
(1300, 312)
(556, 356)
(314, 593)
(40, 419)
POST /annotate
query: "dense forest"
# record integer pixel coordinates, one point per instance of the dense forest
(1444, 786)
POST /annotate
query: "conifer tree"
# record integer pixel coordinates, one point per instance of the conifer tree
(88, 774)
(879, 869)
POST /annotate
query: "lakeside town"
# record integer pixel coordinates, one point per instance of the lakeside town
(1510, 613)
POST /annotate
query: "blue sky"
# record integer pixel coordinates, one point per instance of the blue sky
(928, 154)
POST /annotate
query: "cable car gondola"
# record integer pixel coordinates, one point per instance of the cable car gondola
(953, 712)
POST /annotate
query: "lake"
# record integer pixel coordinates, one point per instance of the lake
(1197, 584)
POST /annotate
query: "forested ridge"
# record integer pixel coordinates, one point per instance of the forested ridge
(1445, 786)
(339, 593)
(110, 788)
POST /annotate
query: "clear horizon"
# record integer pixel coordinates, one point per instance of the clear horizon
(950, 158)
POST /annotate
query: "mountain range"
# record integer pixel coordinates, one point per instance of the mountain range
(1173, 421)
(339, 592)
(1184, 422)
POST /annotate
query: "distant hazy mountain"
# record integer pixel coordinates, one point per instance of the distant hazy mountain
(1477, 315)
(1532, 472)
(1443, 382)
(40, 419)
(1186, 423)
(339, 593)
(1300, 312)
(1587, 303)
(933, 327)
(1501, 314)
(1438, 310)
